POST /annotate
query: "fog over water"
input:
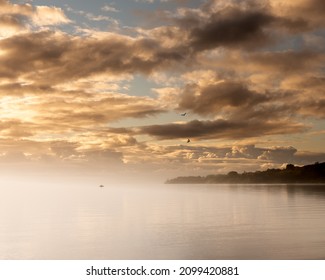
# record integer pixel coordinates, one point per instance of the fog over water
(158, 221)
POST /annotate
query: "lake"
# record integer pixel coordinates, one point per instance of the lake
(158, 221)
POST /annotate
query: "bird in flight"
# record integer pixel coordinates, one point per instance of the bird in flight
(183, 115)
(188, 141)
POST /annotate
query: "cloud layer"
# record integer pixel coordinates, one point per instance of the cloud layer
(249, 71)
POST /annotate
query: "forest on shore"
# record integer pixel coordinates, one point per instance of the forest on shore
(314, 173)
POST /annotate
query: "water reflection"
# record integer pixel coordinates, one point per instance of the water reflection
(307, 189)
(163, 222)
(316, 189)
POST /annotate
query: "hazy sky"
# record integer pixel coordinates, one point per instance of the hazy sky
(100, 85)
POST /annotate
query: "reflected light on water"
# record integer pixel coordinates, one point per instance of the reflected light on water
(83, 221)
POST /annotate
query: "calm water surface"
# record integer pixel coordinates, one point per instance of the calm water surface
(162, 222)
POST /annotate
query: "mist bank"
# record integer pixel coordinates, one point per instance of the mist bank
(314, 173)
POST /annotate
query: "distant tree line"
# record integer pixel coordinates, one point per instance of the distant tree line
(314, 173)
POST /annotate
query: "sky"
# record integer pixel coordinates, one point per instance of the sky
(98, 87)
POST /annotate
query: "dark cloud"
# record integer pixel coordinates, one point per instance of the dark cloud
(245, 24)
(232, 27)
(288, 61)
(295, 25)
(32, 53)
(213, 98)
(221, 129)
(59, 57)
(235, 101)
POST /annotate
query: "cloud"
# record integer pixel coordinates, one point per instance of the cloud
(145, 1)
(221, 129)
(16, 128)
(274, 65)
(31, 147)
(9, 8)
(98, 111)
(213, 98)
(109, 8)
(313, 108)
(241, 25)
(14, 18)
(278, 154)
(230, 27)
(289, 62)
(311, 11)
(44, 15)
(56, 56)
(12, 21)
(265, 85)
(93, 17)
(60, 57)
(22, 17)
(248, 151)
(30, 52)
(201, 29)
(73, 113)
(184, 160)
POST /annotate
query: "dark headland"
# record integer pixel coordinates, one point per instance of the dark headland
(314, 173)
